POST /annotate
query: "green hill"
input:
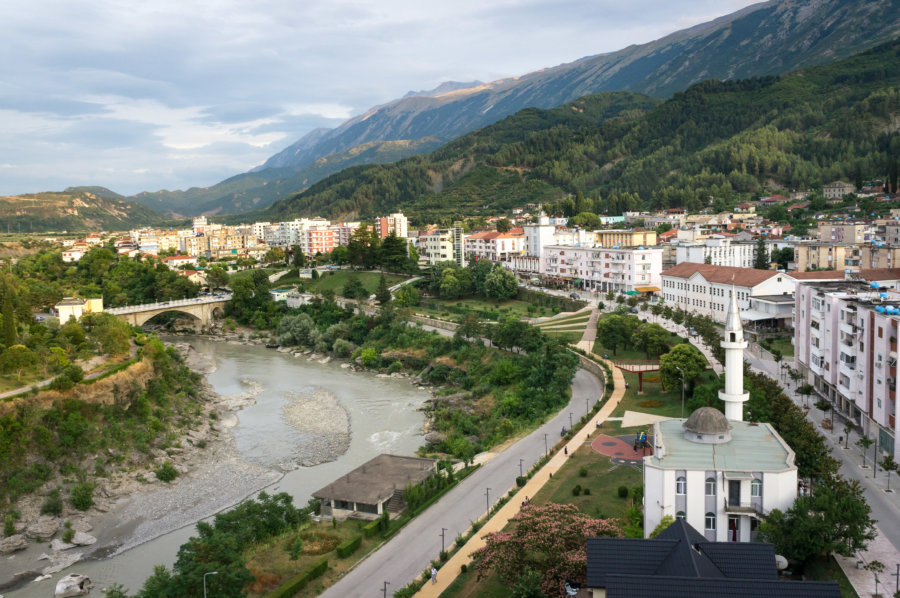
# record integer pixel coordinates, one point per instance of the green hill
(715, 139)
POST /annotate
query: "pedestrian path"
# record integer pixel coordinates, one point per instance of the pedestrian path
(586, 343)
(501, 518)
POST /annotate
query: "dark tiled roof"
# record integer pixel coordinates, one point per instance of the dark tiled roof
(628, 586)
(629, 556)
(753, 560)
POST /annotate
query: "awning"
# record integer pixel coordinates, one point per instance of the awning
(647, 289)
(632, 292)
(754, 315)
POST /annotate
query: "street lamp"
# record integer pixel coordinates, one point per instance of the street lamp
(487, 499)
(384, 589)
(682, 390)
(570, 420)
(520, 468)
(204, 581)
(443, 529)
(546, 447)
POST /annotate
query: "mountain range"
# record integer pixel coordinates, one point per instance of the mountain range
(763, 39)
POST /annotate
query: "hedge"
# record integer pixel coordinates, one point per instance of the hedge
(371, 528)
(349, 547)
(297, 583)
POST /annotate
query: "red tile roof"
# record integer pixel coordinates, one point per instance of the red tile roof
(745, 277)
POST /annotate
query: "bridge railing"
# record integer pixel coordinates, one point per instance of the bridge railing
(169, 304)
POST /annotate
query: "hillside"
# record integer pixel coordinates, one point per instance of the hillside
(763, 39)
(73, 210)
(715, 139)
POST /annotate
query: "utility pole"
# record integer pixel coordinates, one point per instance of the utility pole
(487, 500)
(384, 589)
(520, 468)
(570, 420)
(443, 529)
(546, 447)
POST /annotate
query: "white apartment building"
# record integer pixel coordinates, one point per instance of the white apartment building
(494, 246)
(602, 269)
(718, 251)
(845, 339)
(447, 245)
(395, 223)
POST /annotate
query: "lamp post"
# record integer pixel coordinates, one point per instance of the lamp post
(520, 468)
(546, 447)
(682, 390)
(487, 500)
(204, 580)
(443, 529)
(570, 420)
(384, 589)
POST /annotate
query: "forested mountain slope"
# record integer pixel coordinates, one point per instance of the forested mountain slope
(715, 139)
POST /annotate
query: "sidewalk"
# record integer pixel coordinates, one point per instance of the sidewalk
(500, 519)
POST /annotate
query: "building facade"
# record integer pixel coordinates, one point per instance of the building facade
(718, 251)
(602, 269)
(395, 223)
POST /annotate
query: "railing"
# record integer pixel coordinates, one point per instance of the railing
(743, 508)
(129, 309)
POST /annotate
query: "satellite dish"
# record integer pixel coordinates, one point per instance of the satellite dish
(781, 563)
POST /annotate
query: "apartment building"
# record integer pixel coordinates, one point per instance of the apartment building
(845, 232)
(495, 246)
(613, 238)
(395, 223)
(878, 255)
(717, 250)
(817, 255)
(845, 339)
(447, 245)
(603, 269)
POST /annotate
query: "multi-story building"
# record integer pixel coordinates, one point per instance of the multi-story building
(395, 223)
(447, 245)
(604, 269)
(817, 255)
(705, 289)
(837, 190)
(845, 343)
(717, 250)
(845, 232)
(495, 246)
(637, 237)
(879, 255)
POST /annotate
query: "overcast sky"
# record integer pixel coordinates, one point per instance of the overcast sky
(168, 94)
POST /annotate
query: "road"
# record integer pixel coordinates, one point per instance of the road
(409, 552)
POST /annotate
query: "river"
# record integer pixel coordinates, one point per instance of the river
(383, 418)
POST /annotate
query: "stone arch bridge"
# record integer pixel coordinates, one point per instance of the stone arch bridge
(201, 308)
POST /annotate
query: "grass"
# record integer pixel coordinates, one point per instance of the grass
(452, 309)
(272, 558)
(334, 280)
(784, 345)
(830, 571)
(603, 478)
(467, 585)
(568, 336)
(574, 319)
(10, 382)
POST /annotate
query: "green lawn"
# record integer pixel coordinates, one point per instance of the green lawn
(603, 480)
(784, 345)
(453, 309)
(831, 571)
(573, 319)
(568, 336)
(334, 280)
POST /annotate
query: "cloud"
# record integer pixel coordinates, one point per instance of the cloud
(179, 93)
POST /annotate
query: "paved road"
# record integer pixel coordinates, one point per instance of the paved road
(408, 553)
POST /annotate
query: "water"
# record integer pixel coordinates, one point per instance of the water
(383, 419)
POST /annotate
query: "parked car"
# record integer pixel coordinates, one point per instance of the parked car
(574, 296)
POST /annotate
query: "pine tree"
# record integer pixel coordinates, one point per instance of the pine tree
(761, 255)
(383, 294)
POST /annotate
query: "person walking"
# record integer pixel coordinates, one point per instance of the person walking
(433, 575)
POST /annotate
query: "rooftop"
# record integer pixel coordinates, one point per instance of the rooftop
(753, 447)
(376, 479)
(745, 277)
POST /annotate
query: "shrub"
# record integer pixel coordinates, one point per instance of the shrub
(296, 548)
(82, 496)
(582, 472)
(349, 547)
(586, 491)
(623, 491)
(460, 541)
(371, 528)
(68, 533)
(53, 504)
(166, 472)
(576, 491)
(9, 523)
(520, 481)
(463, 568)
(395, 367)
(297, 583)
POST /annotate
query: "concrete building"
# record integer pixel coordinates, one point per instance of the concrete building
(845, 232)
(447, 245)
(602, 269)
(494, 246)
(395, 223)
(817, 255)
(74, 307)
(620, 238)
(878, 255)
(837, 189)
(845, 343)
(718, 251)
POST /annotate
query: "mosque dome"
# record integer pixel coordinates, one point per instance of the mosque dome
(707, 425)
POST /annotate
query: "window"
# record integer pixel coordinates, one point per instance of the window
(710, 486)
(680, 515)
(681, 485)
(756, 488)
(710, 523)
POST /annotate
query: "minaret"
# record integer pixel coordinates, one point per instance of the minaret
(734, 345)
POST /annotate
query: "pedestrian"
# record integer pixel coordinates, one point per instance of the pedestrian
(433, 575)
(565, 450)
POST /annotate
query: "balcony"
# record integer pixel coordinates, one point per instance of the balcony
(742, 508)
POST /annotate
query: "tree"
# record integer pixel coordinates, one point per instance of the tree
(8, 314)
(407, 296)
(834, 518)
(274, 255)
(612, 332)
(864, 443)
(504, 225)
(551, 539)
(383, 293)
(392, 254)
(848, 427)
(469, 327)
(363, 247)
(17, 358)
(889, 464)
(761, 255)
(340, 255)
(299, 258)
(354, 289)
(652, 339)
(211, 551)
(586, 220)
(217, 277)
(500, 284)
(686, 357)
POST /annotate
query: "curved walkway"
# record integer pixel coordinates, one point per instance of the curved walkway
(501, 518)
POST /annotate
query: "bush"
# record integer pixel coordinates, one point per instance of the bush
(166, 472)
(53, 504)
(9, 523)
(68, 534)
(349, 547)
(371, 528)
(296, 548)
(295, 584)
(82, 496)
(582, 472)
(576, 491)
(586, 491)
(463, 568)
(623, 491)
(520, 481)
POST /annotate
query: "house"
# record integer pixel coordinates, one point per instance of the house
(280, 294)
(837, 189)
(75, 307)
(681, 563)
(374, 487)
(745, 208)
(176, 261)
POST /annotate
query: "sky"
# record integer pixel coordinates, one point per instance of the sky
(171, 94)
